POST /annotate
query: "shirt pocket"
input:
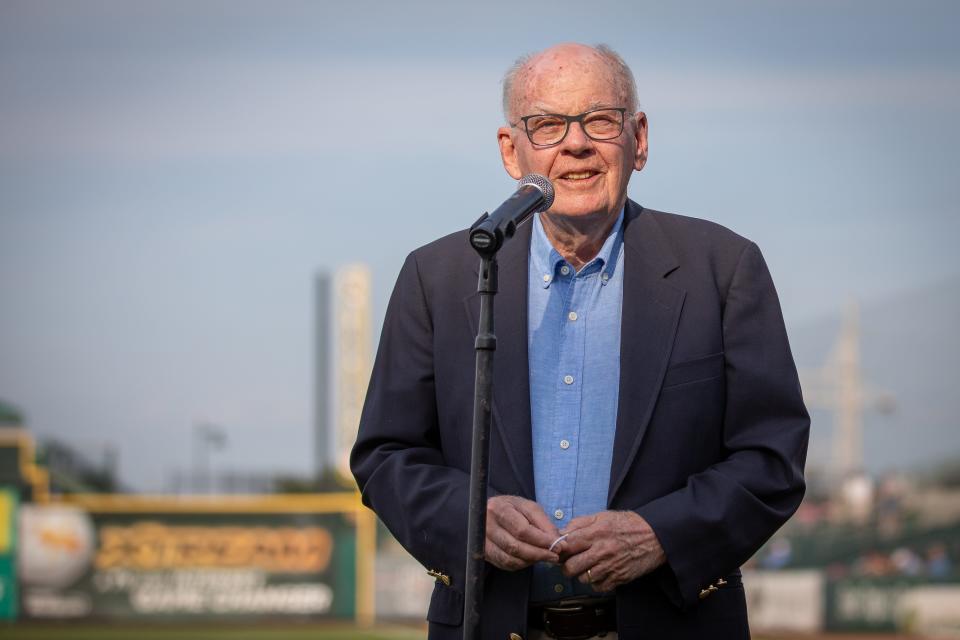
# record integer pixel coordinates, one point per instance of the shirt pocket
(695, 370)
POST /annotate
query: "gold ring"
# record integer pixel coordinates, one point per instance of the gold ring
(589, 576)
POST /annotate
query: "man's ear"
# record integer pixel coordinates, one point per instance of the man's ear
(640, 122)
(508, 152)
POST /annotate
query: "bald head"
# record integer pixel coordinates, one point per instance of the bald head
(578, 58)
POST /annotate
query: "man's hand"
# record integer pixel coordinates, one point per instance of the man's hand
(519, 533)
(616, 546)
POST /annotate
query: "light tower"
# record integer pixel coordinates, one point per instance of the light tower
(839, 387)
(323, 441)
(353, 361)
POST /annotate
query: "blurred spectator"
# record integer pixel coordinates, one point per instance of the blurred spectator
(779, 556)
(873, 565)
(938, 562)
(906, 562)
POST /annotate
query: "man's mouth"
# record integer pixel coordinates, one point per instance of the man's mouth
(578, 175)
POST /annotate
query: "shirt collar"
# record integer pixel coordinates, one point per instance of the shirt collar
(545, 260)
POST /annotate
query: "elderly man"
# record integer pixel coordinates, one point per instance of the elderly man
(649, 433)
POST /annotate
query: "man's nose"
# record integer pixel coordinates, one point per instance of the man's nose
(577, 139)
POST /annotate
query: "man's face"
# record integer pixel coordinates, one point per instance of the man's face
(589, 176)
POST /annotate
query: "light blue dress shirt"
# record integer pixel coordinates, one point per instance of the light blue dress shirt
(574, 359)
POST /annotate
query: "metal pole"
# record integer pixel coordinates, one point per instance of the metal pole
(485, 346)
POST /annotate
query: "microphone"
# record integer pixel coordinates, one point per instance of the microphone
(535, 193)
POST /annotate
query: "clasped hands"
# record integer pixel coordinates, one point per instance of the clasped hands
(615, 546)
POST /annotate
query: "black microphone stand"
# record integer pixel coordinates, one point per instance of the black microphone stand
(486, 244)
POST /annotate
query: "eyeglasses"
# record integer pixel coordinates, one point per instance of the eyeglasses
(547, 129)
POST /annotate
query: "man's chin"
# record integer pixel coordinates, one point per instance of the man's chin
(580, 212)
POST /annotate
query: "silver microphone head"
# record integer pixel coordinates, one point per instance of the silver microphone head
(541, 183)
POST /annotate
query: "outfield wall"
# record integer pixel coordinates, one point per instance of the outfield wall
(806, 601)
(178, 558)
(312, 557)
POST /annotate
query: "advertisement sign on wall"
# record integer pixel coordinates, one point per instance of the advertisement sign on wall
(78, 563)
(8, 545)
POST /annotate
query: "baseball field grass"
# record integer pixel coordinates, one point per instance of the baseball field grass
(282, 631)
(285, 631)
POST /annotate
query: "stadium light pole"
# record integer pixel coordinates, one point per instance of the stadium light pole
(207, 437)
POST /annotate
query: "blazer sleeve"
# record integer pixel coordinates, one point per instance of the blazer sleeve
(725, 513)
(398, 459)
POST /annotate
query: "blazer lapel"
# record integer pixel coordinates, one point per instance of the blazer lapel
(651, 311)
(511, 381)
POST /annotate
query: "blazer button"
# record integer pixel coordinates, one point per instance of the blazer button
(516, 636)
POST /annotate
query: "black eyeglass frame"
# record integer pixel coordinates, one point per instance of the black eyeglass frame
(567, 121)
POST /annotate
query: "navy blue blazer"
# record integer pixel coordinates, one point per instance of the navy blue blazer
(711, 432)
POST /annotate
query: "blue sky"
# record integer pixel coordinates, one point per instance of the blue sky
(172, 174)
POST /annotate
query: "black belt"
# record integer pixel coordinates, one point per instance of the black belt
(575, 619)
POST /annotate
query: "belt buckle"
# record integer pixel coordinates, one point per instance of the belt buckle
(563, 607)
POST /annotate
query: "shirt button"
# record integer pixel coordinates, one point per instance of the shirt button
(564, 444)
(558, 514)
(572, 316)
(558, 588)
(604, 276)
(546, 277)
(564, 269)
(568, 379)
